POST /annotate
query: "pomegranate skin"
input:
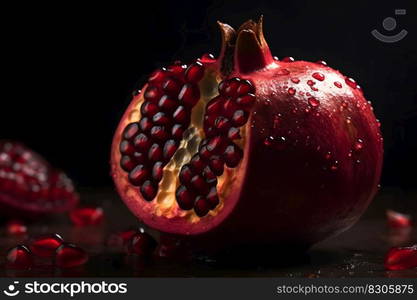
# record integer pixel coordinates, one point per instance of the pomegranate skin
(312, 154)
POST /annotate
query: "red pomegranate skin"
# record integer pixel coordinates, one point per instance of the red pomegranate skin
(312, 153)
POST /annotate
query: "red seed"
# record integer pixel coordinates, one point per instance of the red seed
(209, 120)
(19, 257)
(157, 171)
(148, 190)
(229, 108)
(138, 175)
(247, 100)
(212, 198)
(234, 133)
(222, 124)
(171, 86)
(398, 220)
(160, 118)
(186, 174)
(216, 165)
(338, 84)
(139, 157)
(208, 174)
(126, 147)
(351, 82)
(401, 258)
(229, 87)
(127, 163)
(197, 163)
(148, 109)
(159, 133)
(69, 256)
(199, 184)
(85, 216)
(177, 69)
(232, 155)
(181, 115)
(214, 106)
(245, 87)
(240, 117)
(185, 198)
(131, 131)
(208, 57)
(169, 149)
(46, 246)
(152, 94)
(288, 59)
(16, 227)
(195, 72)
(167, 104)
(201, 206)
(142, 244)
(216, 144)
(157, 76)
(319, 76)
(141, 142)
(145, 124)
(177, 131)
(155, 152)
(189, 94)
(204, 152)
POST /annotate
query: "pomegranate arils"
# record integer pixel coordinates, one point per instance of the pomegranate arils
(84, 216)
(181, 115)
(155, 153)
(131, 131)
(157, 76)
(19, 257)
(171, 86)
(398, 220)
(16, 227)
(232, 155)
(148, 190)
(197, 163)
(233, 133)
(145, 124)
(185, 174)
(46, 246)
(152, 94)
(167, 104)
(185, 198)
(189, 94)
(177, 131)
(126, 147)
(247, 100)
(216, 144)
(138, 175)
(149, 109)
(201, 206)
(199, 184)
(160, 118)
(401, 258)
(141, 142)
(212, 198)
(229, 108)
(142, 244)
(222, 124)
(319, 76)
(229, 87)
(127, 163)
(214, 106)
(69, 256)
(157, 171)
(159, 133)
(240, 117)
(195, 72)
(216, 165)
(245, 87)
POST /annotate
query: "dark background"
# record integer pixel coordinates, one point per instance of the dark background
(68, 69)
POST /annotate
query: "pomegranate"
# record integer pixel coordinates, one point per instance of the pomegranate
(397, 220)
(85, 216)
(401, 258)
(69, 256)
(29, 185)
(19, 257)
(247, 148)
(45, 246)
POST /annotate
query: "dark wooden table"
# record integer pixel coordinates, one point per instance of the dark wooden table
(359, 252)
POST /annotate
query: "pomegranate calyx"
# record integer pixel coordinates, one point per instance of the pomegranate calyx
(246, 50)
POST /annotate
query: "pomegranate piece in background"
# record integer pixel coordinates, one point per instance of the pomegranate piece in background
(29, 186)
(401, 258)
(121, 238)
(19, 257)
(16, 227)
(69, 256)
(240, 148)
(142, 244)
(398, 220)
(46, 246)
(84, 216)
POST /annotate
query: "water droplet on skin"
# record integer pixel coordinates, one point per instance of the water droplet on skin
(318, 76)
(348, 120)
(268, 141)
(350, 153)
(277, 121)
(295, 80)
(345, 104)
(351, 82)
(310, 82)
(276, 58)
(337, 84)
(291, 91)
(328, 155)
(288, 59)
(378, 123)
(313, 102)
(308, 94)
(321, 62)
(358, 145)
(314, 89)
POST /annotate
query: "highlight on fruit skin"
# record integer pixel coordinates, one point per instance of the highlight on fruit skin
(29, 185)
(246, 148)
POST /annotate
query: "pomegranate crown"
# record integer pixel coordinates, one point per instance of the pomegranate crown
(246, 50)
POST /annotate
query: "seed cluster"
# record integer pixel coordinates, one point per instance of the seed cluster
(29, 180)
(148, 145)
(223, 117)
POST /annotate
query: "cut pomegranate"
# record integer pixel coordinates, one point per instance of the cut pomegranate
(46, 246)
(29, 185)
(121, 238)
(401, 258)
(398, 220)
(244, 146)
(68, 256)
(84, 216)
(19, 257)
(142, 244)
(16, 227)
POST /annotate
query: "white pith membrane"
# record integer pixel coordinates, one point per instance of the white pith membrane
(165, 204)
